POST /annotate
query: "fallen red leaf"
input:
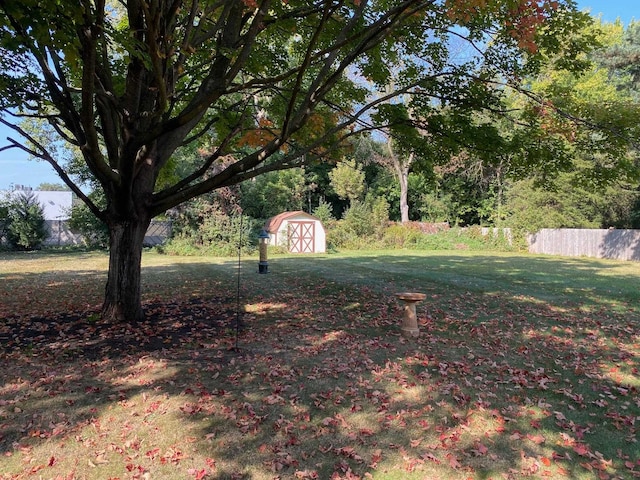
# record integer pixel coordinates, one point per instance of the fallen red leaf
(580, 449)
(453, 461)
(537, 439)
(197, 474)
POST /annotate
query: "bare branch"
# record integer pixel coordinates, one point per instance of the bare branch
(43, 154)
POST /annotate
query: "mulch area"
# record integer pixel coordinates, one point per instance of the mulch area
(84, 335)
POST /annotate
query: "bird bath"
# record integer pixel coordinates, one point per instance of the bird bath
(409, 327)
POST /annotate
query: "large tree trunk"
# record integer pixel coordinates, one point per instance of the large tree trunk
(122, 301)
(402, 169)
(403, 177)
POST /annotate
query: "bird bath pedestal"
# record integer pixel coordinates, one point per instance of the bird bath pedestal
(409, 327)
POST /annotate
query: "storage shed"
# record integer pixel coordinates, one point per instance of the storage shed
(298, 231)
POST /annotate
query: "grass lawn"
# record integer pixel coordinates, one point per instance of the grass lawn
(526, 367)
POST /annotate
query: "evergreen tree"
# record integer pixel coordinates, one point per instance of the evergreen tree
(26, 228)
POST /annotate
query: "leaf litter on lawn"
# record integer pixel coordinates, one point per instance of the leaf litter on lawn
(323, 386)
(80, 334)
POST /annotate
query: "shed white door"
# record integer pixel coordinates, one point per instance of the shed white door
(301, 237)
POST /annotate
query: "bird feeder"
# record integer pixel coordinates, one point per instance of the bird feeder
(263, 239)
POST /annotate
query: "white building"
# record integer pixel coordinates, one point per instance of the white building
(55, 205)
(298, 231)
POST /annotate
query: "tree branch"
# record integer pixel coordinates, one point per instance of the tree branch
(46, 156)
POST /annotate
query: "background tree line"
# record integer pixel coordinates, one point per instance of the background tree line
(582, 178)
(359, 194)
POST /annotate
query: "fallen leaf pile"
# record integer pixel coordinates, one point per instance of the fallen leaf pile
(79, 334)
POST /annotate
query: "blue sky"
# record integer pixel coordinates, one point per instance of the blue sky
(16, 169)
(611, 10)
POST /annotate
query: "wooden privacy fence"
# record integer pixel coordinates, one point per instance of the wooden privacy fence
(614, 244)
(157, 233)
(59, 233)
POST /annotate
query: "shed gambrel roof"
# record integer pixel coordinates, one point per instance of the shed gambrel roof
(273, 224)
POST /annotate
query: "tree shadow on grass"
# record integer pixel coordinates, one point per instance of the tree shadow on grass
(621, 244)
(70, 384)
(468, 397)
(81, 335)
(322, 385)
(547, 279)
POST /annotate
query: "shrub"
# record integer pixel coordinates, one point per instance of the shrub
(24, 224)
(358, 219)
(379, 215)
(217, 234)
(449, 240)
(324, 212)
(180, 245)
(221, 234)
(401, 236)
(367, 219)
(4, 220)
(341, 235)
(469, 238)
(94, 232)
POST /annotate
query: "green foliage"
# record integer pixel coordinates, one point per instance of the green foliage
(324, 212)
(565, 204)
(620, 56)
(340, 235)
(222, 234)
(366, 219)
(4, 219)
(411, 236)
(398, 235)
(634, 215)
(379, 214)
(575, 174)
(359, 219)
(465, 238)
(437, 207)
(181, 245)
(53, 187)
(24, 224)
(605, 96)
(218, 234)
(457, 238)
(347, 180)
(362, 226)
(274, 193)
(94, 232)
